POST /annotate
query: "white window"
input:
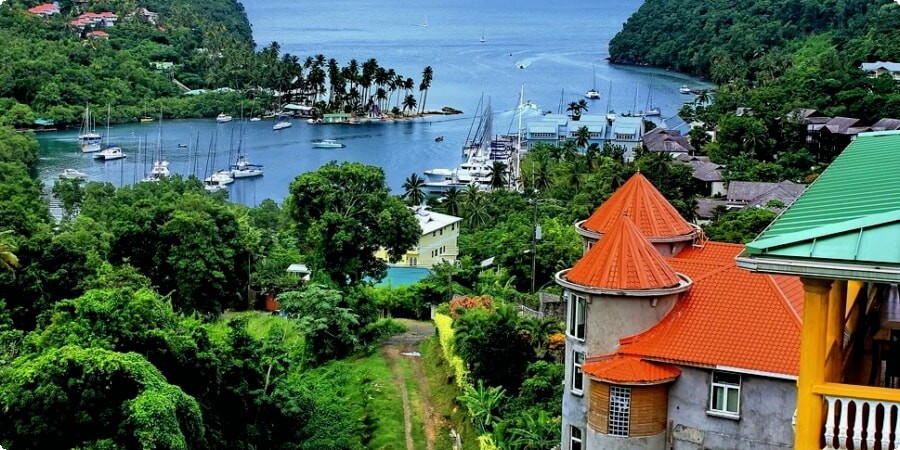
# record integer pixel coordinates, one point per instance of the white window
(577, 374)
(725, 394)
(575, 437)
(576, 316)
(619, 410)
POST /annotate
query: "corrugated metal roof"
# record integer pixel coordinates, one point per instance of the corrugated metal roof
(850, 213)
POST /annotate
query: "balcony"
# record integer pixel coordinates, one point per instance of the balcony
(860, 417)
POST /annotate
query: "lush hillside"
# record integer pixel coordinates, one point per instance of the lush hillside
(55, 68)
(695, 35)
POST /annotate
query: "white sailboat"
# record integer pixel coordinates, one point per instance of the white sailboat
(88, 138)
(649, 109)
(111, 151)
(160, 168)
(593, 93)
(482, 36)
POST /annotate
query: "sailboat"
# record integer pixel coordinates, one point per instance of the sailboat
(482, 36)
(610, 114)
(88, 138)
(649, 109)
(112, 151)
(160, 167)
(593, 93)
(425, 23)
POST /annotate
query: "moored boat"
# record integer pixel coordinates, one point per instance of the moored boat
(110, 153)
(159, 171)
(282, 123)
(328, 143)
(684, 89)
(243, 168)
(89, 140)
(223, 118)
(72, 174)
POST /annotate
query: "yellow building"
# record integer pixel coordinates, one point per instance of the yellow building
(842, 237)
(440, 233)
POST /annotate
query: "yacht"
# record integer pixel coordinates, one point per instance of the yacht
(159, 171)
(593, 93)
(255, 119)
(223, 118)
(242, 168)
(110, 153)
(684, 89)
(72, 174)
(328, 143)
(282, 123)
(213, 185)
(222, 177)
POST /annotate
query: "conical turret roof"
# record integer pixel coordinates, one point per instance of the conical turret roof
(645, 206)
(623, 259)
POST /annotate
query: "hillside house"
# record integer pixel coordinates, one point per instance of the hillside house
(45, 10)
(879, 68)
(655, 357)
(842, 237)
(743, 194)
(438, 243)
(662, 140)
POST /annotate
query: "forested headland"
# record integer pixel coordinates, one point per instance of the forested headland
(770, 58)
(142, 63)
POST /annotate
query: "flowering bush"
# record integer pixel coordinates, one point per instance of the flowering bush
(462, 304)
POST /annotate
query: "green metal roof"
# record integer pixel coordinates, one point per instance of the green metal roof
(850, 215)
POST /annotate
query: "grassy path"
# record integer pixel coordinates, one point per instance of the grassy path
(401, 354)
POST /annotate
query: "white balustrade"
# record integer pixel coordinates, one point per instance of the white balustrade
(851, 421)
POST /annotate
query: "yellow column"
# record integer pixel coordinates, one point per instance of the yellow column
(810, 406)
(835, 330)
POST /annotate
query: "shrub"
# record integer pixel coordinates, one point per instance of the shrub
(444, 325)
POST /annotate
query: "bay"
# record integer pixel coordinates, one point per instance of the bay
(561, 45)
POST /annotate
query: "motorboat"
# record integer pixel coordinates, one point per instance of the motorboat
(255, 119)
(243, 168)
(213, 185)
(146, 119)
(439, 139)
(684, 89)
(282, 123)
(89, 139)
(182, 145)
(328, 143)
(110, 153)
(223, 118)
(72, 174)
(159, 171)
(221, 177)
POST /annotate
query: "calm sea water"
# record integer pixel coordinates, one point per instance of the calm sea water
(561, 45)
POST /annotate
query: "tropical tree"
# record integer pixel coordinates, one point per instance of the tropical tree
(575, 109)
(8, 260)
(451, 201)
(483, 404)
(497, 175)
(474, 209)
(343, 214)
(409, 103)
(327, 322)
(582, 137)
(413, 190)
(427, 76)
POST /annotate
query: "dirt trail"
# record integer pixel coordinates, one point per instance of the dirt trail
(392, 351)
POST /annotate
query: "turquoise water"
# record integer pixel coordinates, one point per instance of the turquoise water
(561, 45)
(403, 276)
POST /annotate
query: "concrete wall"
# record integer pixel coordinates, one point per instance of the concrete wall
(600, 441)
(609, 319)
(574, 407)
(767, 408)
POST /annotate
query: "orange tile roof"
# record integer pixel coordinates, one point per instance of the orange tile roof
(623, 259)
(730, 318)
(645, 205)
(630, 370)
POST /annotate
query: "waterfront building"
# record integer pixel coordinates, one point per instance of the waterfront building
(668, 343)
(438, 243)
(842, 237)
(549, 129)
(626, 132)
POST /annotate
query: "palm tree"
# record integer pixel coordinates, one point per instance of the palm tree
(582, 106)
(702, 97)
(413, 190)
(541, 178)
(575, 110)
(498, 178)
(409, 103)
(582, 137)
(451, 201)
(427, 76)
(474, 210)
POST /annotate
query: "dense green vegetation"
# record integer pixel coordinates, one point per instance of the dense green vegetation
(772, 57)
(52, 69)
